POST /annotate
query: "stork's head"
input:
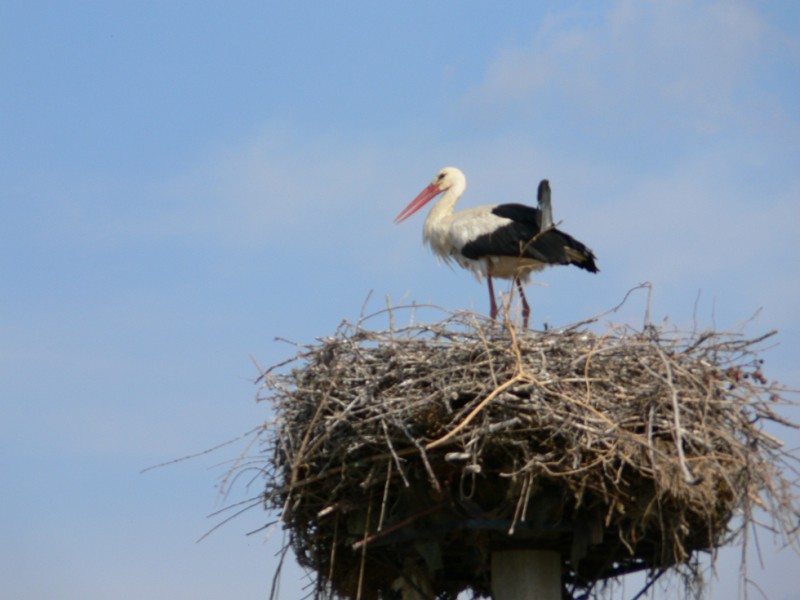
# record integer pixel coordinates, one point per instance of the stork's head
(449, 178)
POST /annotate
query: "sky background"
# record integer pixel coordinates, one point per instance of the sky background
(181, 182)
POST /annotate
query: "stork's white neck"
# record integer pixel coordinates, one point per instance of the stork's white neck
(434, 231)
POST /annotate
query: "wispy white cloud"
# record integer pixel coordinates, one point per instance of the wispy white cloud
(682, 64)
(267, 186)
(277, 185)
(702, 218)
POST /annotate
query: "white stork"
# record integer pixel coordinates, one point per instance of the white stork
(495, 240)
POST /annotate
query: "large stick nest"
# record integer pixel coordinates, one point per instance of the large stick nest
(404, 457)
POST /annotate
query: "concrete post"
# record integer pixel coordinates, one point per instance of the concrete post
(526, 575)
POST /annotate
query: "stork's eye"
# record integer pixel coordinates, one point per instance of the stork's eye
(441, 176)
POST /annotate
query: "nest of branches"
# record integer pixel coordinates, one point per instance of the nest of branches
(403, 458)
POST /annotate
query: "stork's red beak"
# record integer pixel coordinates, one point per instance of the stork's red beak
(424, 197)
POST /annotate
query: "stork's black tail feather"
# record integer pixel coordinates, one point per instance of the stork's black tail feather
(556, 247)
(583, 257)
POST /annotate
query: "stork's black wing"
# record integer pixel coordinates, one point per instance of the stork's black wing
(521, 237)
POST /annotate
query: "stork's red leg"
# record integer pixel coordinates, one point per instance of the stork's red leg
(526, 310)
(492, 302)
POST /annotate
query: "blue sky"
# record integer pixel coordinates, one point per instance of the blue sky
(183, 182)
